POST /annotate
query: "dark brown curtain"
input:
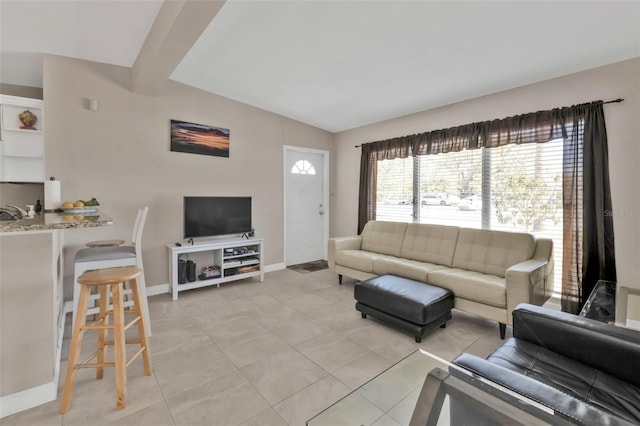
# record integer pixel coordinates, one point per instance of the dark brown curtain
(572, 213)
(368, 179)
(371, 153)
(588, 252)
(598, 249)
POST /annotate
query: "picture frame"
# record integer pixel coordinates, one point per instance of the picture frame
(201, 139)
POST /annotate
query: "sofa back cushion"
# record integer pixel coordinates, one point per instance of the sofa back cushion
(383, 237)
(430, 243)
(491, 252)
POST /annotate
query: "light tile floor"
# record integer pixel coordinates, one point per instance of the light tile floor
(251, 353)
(389, 399)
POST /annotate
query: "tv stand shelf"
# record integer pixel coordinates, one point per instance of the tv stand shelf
(238, 258)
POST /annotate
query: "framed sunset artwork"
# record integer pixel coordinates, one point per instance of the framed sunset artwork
(199, 139)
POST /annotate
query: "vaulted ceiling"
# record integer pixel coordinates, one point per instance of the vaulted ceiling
(333, 64)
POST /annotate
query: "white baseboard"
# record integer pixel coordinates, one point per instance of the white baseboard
(154, 290)
(635, 324)
(275, 267)
(28, 398)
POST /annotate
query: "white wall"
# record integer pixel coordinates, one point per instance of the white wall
(621, 80)
(120, 155)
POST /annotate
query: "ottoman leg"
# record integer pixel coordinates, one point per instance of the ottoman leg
(364, 315)
(503, 329)
(418, 339)
(443, 325)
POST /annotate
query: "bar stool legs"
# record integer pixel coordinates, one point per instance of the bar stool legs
(74, 353)
(103, 334)
(109, 281)
(119, 347)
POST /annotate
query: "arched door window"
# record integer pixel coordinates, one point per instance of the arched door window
(303, 167)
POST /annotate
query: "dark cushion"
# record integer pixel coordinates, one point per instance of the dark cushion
(611, 349)
(410, 300)
(105, 253)
(571, 408)
(571, 377)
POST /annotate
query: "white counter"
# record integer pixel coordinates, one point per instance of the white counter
(50, 221)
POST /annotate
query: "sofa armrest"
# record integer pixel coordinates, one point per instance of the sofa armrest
(342, 243)
(544, 251)
(568, 406)
(530, 281)
(608, 348)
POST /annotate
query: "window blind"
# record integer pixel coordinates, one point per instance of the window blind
(394, 192)
(514, 188)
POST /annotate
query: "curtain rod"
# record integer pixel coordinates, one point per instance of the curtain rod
(614, 101)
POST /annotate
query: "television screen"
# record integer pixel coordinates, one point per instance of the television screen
(211, 216)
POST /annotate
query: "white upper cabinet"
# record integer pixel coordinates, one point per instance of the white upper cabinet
(21, 139)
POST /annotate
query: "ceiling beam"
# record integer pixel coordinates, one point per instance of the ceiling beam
(177, 27)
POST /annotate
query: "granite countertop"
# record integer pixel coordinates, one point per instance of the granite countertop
(47, 221)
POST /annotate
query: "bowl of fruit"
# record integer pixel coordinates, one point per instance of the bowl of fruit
(80, 206)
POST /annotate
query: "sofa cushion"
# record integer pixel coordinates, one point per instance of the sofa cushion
(491, 252)
(430, 243)
(470, 285)
(404, 267)
(570, 376)
(383, 237)
(357, 259)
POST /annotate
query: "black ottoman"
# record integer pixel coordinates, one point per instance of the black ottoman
(411, 305)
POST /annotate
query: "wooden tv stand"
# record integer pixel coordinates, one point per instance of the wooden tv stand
(228, 253)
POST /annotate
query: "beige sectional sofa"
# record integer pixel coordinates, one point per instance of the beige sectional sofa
(489, 272)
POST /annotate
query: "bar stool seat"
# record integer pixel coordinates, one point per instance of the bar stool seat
(105, 253)
(105, 243)
(109, 281)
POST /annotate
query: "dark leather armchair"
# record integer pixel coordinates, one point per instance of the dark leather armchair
(585, 370)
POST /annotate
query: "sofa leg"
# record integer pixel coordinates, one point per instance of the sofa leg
(364, 315)
(340, 278)
(443, 325)
(503, 329)
(418, 339)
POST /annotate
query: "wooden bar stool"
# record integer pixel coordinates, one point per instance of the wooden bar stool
(107, 281)
(110, 257)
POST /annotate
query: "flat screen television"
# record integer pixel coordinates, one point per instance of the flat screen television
(214, 216)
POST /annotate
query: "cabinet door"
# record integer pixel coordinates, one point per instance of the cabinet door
(22, 144)
(22, 169)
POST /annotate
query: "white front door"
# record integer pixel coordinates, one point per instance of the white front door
(305, 208)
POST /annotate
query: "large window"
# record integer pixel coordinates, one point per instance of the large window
(506, 174)
(511, 188)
